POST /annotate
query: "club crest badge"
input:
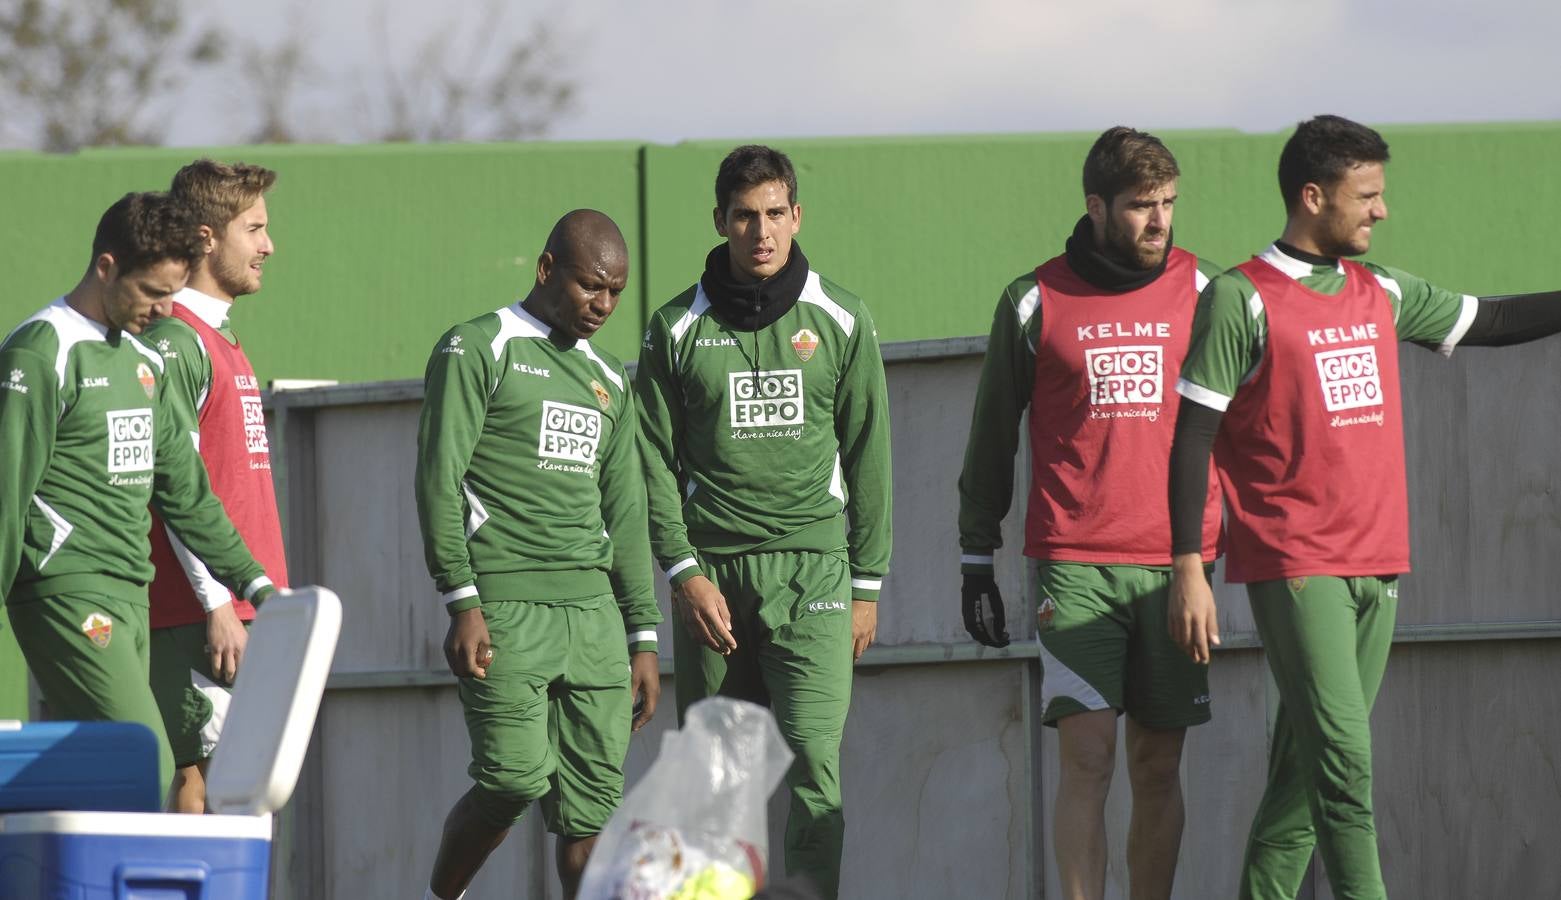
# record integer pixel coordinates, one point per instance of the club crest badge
(1044, 614)
(1297, 585)
(805, 343)
(144, 375)
(99, 629)
(603, 399)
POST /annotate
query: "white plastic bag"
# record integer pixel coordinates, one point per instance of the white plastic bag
(694, 827)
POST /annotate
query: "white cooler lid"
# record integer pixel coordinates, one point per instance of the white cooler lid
(137, 824)
(275, 699)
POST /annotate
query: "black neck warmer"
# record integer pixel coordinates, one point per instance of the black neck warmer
(1101, 270)
(752, 305)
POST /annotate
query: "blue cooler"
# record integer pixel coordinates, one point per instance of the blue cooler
(80, 855)
(133, 856)
(108, 766)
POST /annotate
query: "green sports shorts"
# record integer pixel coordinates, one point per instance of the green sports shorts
(551, 722)
(1105, 645)
(89, 652)
(193, 701)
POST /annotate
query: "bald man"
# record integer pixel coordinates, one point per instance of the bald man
(526, 464)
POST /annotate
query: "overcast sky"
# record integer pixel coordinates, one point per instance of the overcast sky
(689, 69)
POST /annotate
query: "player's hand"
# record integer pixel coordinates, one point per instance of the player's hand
(864, 626)
(982, 604)
(644, 686)
(1190, 616)
(226, 639)
(702, 607)
(466, 645)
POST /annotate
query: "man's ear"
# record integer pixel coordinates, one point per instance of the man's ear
(720, 221)
(208, 238)
(106, 268)
(1313, 197)
(545, 264)
(1095, 208)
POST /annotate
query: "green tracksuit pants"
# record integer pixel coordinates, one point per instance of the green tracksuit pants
(791, 616)
(1327, 642)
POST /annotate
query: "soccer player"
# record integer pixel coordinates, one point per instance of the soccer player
(1292, 380)
(198, 626)
(532, 505)
(87, 439)
(1091, 342)
(765, 421)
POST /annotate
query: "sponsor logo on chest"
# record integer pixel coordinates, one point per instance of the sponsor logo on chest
(569, 437)
(1101, 330)
(129, 440)
(1351, 379)
(100, 381)
(715, 342)
(766, 400)
(524, 369)
(1131, 374)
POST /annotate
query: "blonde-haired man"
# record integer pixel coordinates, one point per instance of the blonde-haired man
(198, 626)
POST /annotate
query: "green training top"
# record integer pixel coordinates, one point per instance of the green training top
(768, 440)
(986, 482)
(1230, 329)
(529, 484)
(86, 442)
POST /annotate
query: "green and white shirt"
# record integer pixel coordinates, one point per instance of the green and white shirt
(529, 485)
(1230, 330)
(767, 440)
(86, 442)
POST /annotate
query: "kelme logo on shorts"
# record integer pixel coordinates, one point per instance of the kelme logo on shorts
(765, 399)
(99, 629)
(569, 433)
(1125, 374)
(805, 343)
(825, 606)
(129, 440)
(1044, 613)
(1350, 378)
(144, 375)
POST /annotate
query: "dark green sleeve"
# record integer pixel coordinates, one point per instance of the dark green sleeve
(622, 483)
(181, 494)
(661, 431)
(186, 369)
(29, 412)
(986, 483)
(1209, 269)
(862, 428)
(455, 403)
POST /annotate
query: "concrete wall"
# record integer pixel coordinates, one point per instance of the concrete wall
(948, 778)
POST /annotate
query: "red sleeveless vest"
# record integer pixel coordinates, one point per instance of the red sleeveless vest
(1102, 415)
(238, 460)
(1311, 451)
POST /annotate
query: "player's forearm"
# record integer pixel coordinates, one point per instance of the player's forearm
(986, 481)
(1514, 319)
(658, 428)
(1196, 427)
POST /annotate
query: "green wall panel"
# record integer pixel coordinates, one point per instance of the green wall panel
(928, 230)
(379, 249)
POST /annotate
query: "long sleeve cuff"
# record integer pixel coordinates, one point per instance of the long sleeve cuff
(683, 570)
(257, 590)
(461, 599)
(642, 641)
(866, 587)
(976, 561)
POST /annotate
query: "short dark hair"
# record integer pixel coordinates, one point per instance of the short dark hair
(1123, 159)
(217, 192)
(749, 166)
(143, 229)
(1322, 150)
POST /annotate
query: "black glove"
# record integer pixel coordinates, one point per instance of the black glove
(982, 604)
